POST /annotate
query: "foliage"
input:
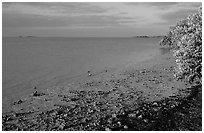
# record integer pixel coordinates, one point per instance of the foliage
(186, 39)
(167, 41)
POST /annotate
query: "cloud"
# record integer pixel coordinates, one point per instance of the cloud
(57, 21)
(139, 15)
(67, 14)
(174, 17)
(54, 15)
(162, 3)
(178, 12)
(90, 15)
(156, 4)
(31, 21)
(50, 8)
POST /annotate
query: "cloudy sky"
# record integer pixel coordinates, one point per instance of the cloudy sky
(92, 19)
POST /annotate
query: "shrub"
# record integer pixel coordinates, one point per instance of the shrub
(186, 39)
(167, 41)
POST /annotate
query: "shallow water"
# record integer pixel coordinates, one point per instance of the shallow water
(44, 62)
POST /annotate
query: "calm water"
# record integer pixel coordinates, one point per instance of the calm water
(44, 62)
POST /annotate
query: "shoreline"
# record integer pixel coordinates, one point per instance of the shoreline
(63, 80)
(92, 102)
(100, 75)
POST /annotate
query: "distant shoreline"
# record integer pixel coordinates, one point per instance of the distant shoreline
(30, 36)
(145, 36)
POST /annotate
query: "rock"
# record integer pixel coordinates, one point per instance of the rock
(36, 93)
(125, 127)
(164, 104)
(132, 115)
(142, 71)
(107, 129)
(139, 117)
(172, 106)
(114, 115)
(53, 114)
(145, 120)
(74, 99)
(155, 104)
(119, 123)
(18, 102)
(61, 126)
(156, 109)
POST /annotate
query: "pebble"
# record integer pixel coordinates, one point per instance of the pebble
(19, 101)
(140, 117)
(114, 115)
(61, 126)
(155, 104)
(67, 112)
(119, 123)
(146, 120)
(143, 71)
(108, 129)
(123, 113)
(131, 115)
(125, 127)
(156, 109)
(109, 121)
(164, 104)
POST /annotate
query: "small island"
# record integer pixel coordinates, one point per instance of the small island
(27, 36)
(146, 36)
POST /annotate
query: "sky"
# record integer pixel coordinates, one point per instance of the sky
(100, 19)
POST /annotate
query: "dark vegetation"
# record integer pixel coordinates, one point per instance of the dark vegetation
(186, 40)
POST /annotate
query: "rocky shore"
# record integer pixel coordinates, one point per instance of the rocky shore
(142, 97)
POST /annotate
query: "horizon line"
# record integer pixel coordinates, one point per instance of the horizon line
(33, 36)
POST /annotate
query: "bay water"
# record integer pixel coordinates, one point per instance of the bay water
(42, 62)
